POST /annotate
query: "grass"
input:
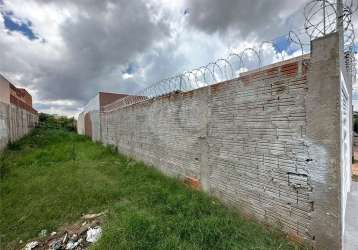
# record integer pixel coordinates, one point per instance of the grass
(52, 177)
(355, 177)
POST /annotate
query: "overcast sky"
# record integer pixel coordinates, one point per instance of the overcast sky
(65, 51)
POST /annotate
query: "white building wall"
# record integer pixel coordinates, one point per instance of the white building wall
(92, 108)
(81, 124)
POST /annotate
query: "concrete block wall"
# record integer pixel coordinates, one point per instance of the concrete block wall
(15, 123)
(81, 123)
(267, 142)
(21, 122)
(96, 126)
(242, 139)
(257, 153)
(165, 133)
(4, 125)
(89, 125)
(89, 119)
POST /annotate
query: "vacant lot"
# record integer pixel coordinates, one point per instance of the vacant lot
(52, 177)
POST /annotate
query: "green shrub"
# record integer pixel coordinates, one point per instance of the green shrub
(62, 122)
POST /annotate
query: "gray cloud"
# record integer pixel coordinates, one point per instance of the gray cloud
(254, 17)
(105, 35)
(98, 41)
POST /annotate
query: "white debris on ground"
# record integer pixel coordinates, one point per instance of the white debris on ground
(93, 234)
(73, 237)
(31, 245)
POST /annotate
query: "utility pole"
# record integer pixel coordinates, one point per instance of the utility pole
(324, 17)
(180, 82)
(339, 24)
(339, 29)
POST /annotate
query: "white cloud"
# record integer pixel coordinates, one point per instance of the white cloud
(46, 18)
(126, 76)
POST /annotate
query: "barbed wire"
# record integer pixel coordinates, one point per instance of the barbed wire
(320, 20)
(220, 70)
(351, 7)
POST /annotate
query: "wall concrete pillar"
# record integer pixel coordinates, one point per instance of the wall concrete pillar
(203, 138)
(323, 134)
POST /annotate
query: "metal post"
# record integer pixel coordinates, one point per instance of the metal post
(339, 27)
(180, 82)
(324, 17)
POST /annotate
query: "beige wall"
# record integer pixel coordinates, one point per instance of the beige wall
(4, 90)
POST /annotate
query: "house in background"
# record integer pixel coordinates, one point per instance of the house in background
(88, 122)
(19, 97)
(17, 116)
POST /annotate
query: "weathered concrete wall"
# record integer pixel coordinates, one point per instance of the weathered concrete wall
(346, 145)
(88, 123)
(323, 137)
(267, 142)
(21, 122)
(89, 119)
(15, 122)
(243, 139)
(4, 125)
(95, 125)
(164, 133)
(81, 123)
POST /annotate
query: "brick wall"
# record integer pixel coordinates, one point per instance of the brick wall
(107, 98)
(256, 149)
(267, 142)
(20, 95)
(249, 130)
